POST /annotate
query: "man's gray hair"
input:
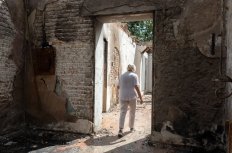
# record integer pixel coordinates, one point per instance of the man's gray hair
(131, 67)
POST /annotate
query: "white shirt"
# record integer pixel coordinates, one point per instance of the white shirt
(127, 83)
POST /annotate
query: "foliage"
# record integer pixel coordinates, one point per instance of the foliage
(143, 30)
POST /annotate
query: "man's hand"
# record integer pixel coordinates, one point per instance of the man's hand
(140, 100)
(139, 94)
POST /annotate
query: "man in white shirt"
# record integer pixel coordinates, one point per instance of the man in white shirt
(128, 86)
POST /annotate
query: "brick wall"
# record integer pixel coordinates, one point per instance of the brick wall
(114, 75)
(74, 71)
(11, 63)
(7, 66)
(184, 93)
(229, 55)
(228, 108)
(115, 65)
(73, 38)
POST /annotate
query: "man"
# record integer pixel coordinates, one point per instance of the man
(128, 86)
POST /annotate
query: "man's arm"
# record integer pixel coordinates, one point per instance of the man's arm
(139, 93)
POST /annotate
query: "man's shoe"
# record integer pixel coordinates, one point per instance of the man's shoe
(132, 130)
(120, 133)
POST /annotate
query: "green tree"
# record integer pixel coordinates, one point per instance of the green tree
(143, 30)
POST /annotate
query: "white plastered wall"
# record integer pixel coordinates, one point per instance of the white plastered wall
(99, 58)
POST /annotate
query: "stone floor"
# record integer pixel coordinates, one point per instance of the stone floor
(106, 140)
(36, 140)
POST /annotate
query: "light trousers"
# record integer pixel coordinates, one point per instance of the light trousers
(124, 105)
